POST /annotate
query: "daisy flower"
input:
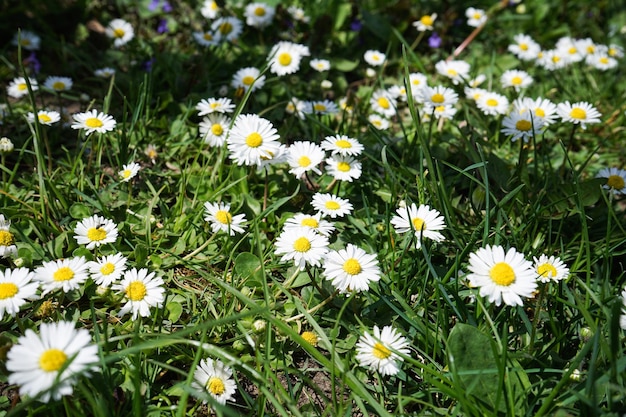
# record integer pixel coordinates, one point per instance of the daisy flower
(105, 72)
(475, 17)
(540, 107)
(216, 379)
(522, 125)
(343, 168)
(616, 180)
(151, 152)
(107, 269)
(206, 38)
(93, 121)
(322, 107)
(474, 93)
(298, 14)
(16, 286)
(493, 104)
(586, 46)
(252, 138)
(383, 103)
(423, 221)
(312, 221)
(525, 48)
(330, 205)
(210, 9)
(45, 117)
(320, 65)
(228, 28)
(440, 112)
(582, 113)
(374, 58)
(516, 79)
(48, 364)
(142, 290)
(438, 96)
(296, 107)
(304, 157)
(27, 40)
(6, 146)
(120, 31)
(378, 121)
(285, 57)
(17, 88)
(214, 129)
(129, 171)
(58, 84)
(7, 239)
(342, 145)
(457, 71)
(304, 245)
(568, 47)
(67, 274)
(425, 23)
(417, 81)
(552, 60)
(248, 78)
(213, 105)
(397, 92)
(278, 157)
(351, 269)
(259, 15)
(95, 231)
(310, 337)
(550, 268)
(381, 352)
(221, 219)
(615, 51)
(601, 61)
(502, 276)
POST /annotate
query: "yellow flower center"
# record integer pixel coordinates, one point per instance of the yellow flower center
(452, 72)
(214, 105)
(216, 386)
(523, 125)
(343, 166)
(502, 274)
(319, 107)
(492, 102)
(118, 33)
(259, 11)
(416, 81)
(6, 238)
(437, 98)
(127, 173)
(96, 234)
(254, 140)
(44, 118)
(381, 351)
(332, 205)
(107, 268)
(516, 80)
(247, 80)
(572, 50)
(7, 290)
(223, 217)
(64, 273)
(207, 36)
(93, 122)
(546, 270)
(426, 20)
(343, 144)
(539, 112)
(310, 222)
(302, 244)
(217, 129)
(304, 161)
(52, 360)
(310, 338)
(376, 57)
(22, 87)
(556, 58)
(58, 85)
(284, 59)
(604, 60)
(578, 113)
(25, 42)
(383, 102)
(523, 47)
(418, 224)
(226, 28)
(352, 266)
(136, 291)
(612, 51)
(591, 49)
(616, 182)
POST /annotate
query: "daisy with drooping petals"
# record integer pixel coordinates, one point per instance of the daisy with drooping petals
(582, 113)
(16, 286)
(550, 268)
(129, 171)
(343, 168)
(106, 72)
(45, 117)
(425, 23)
(304, 157)
(206, 38)
(213, 129)
(27, 40)
(417, 81)
(285, 57)
(304, 245)
(93, 121)
(378, 121)
(227, 28)
(142, 290)
(423, 221)
(475, 17)
(322, 107)
(221, 219)
(249, 78)
(374, 58)
(296, 107)
(17, 88)
(320, 65)
(251, 139)
(259, 15)
(540, 108)
(107, 269)
(7, 239)
(522, 125)
(525, 48)
(381, 352)
(516, 79)
(65, 274)
(351, 269)
(312, 221)
(120, 31)
(342, 145)
(213, 105)
(58, 84)
(330, 205)
(95, 231)
(48, 364)
(615, 180)
(382, 102)
(455, 70)
(493, 104)
(502, 276)
(216, 379)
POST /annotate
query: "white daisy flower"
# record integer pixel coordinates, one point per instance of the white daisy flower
(285, 57)
(248, 78)
(93, 121)
(17, 88)
(440, 112)
(601, 60)
(474, 93)
(381, 352)
(475, 17)
(106, 72)
(423, 221)
(522, 125)
(374, 58)
(378, 121)
(16, 286)
(569, 48)
(7, 239)
(383, 103)
(438, 96)
(493, 104)
(304, 157)
(95, 231)
(616, 179)
(525, 48)
(343, 168)
(457, 71)
(227, 28)
(129, 171)
(48, 364)
(251, 139)
(516, 79)
(142, 290)
(45, 117)
(552, 59)
(330, 205)
(540, 108)
(425, 23)
(502, 276)
(213, 129)
(322, 107)
(304, 245)
(210, 9)
(107, 269)
(320, 65)
(312, 221)
(586, 46)
(206, 38)
(65, 274)
(259, 15)
(398, 92)
(58, 84)
(296, 107)
(417, 81)
(6, 146)
(215, 105)
(615, 51)
(27, 40)
(342, 145)
(216, 379)
(550, 268)
(351, 269)
(582, 113)
(298, 14)
(120, 31)
(221, 219)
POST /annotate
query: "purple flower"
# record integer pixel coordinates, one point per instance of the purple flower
(33, 62)
(434, 41)
(147, 66)
(356, 25)
(153, 5)
(162, 27)
(167, 7)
